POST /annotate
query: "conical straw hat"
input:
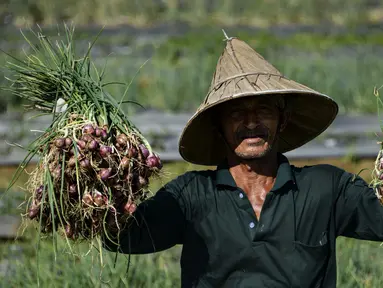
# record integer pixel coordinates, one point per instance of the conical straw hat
(242, 72)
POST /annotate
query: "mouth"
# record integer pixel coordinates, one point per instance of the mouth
(253, 140)
(253, 136)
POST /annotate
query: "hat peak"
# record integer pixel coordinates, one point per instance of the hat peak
(227, 38)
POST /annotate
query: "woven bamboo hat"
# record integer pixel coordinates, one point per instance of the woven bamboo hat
(242, 72)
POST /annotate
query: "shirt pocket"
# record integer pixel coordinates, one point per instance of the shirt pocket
(309, 263)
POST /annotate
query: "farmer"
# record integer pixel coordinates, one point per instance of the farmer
(255, 220)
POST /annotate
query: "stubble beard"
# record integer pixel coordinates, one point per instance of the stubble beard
(254, 155)
(258, 155)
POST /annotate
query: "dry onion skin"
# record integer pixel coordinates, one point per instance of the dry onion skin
(377, 177)
(377, 174)
(93, 162)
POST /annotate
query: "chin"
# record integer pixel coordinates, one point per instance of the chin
(252, 155)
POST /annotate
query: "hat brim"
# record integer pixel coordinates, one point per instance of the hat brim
(311, 114)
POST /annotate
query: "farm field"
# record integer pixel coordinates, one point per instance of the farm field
(359, 262)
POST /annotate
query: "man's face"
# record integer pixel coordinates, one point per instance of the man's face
(250, 126)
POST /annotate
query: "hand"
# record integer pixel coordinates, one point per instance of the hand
(379, 193)
(116, 220)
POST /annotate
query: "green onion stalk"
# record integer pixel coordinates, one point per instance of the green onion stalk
(92, 161)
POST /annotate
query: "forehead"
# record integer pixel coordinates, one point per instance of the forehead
(250, 102)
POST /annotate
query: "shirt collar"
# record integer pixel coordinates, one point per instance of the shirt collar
(284, 174)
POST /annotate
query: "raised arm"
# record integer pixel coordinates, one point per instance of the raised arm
(157, 224)
(359, 213)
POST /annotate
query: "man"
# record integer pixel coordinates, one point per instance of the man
(255, 221)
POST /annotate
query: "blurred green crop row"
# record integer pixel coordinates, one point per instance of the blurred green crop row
(174, 74)
(229, 12)
(359, 265)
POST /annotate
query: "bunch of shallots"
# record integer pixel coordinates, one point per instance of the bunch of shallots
(377, 182)
(91, 171)
(93, 162)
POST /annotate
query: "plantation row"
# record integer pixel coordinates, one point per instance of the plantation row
(174, 74)
(149, 12)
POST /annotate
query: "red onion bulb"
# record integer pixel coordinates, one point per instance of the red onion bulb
(132, 152)
(99, 199)
(152, 161)
(68, 142)
(86, 138)
(33, 211)
(129, 208)
(104, 135)
(60, 143)
(105, 173)
(105, 151)
(144, 150)
(124, 163)
(143, 182)
(81, 144)
(72, 189)
(72, 162)
(87, 199)
(122, 139)
(85, 163)
(98, 132)
(88, 129)
(93, 145)
(69, 231)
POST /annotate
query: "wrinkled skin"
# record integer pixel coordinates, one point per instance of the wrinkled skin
(250, 127)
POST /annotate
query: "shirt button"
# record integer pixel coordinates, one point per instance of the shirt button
(251, 225)
(240, 195)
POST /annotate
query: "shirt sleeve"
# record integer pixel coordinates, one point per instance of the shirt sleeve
(358, 211)
(156, 225)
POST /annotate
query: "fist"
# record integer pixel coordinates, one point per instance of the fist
(379, 193)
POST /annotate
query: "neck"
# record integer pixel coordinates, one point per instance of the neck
(255, 173)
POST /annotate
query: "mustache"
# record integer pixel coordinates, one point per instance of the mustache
(247, 133)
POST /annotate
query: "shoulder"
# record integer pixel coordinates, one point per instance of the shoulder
(326, 173)
(318, 170)
(319, 174)
(192, 190)
(192, 179)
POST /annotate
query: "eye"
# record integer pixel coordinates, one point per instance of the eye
(264, 107)
(265, 110)
(236, 113)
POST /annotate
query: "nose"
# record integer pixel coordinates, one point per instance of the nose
(251, 120)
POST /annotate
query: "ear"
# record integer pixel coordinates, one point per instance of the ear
(216, 119)
(285, 116)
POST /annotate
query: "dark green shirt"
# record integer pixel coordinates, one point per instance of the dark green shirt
(224, 245)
